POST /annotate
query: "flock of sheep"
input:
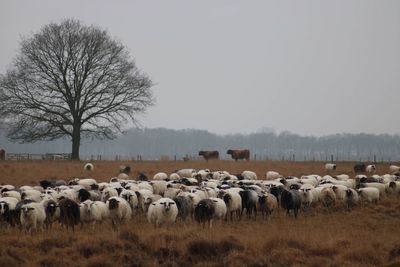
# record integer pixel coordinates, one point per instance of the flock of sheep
(186, 194)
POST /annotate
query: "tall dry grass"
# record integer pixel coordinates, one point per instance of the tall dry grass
(365, 236)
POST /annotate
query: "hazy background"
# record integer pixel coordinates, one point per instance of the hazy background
(309, 67)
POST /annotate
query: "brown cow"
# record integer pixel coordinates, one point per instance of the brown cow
(239, 154)
(2, 154)
(209, 154)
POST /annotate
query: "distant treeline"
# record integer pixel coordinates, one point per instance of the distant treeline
(167, 143)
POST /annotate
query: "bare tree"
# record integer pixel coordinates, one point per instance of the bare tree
(72, 80)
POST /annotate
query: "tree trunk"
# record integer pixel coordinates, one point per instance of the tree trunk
(76, 142)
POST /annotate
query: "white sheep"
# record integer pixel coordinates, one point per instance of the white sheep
(148, 200)
(342, 177)
(174, 176)
(172, 192)
(394, 169)
(271, 175)
(233, 203)
(327, 197)
(88, 167)
(93, 211)
(119, 210)
(371, 168)
(340, 192)
(32, 216)
(145, 185)
(159, 187)
(131, 197)
(249, 175)
(163, 211)
(379, 186)
(88, 183)
(219, 208)
(107, 193)
(370, 194)
(330, 166)
(141, 195)
(14, 194)
(31, 194)
(160, 176)
(186, 173)
(307, 196)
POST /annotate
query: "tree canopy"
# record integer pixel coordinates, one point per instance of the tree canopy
(72, 80)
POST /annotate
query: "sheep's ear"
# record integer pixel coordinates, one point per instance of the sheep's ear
(215, 200)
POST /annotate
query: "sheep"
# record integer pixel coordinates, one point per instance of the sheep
(171, 192)
(327, 197)
(379, 186)
(145, 185)
(307, 196)
(31, 194)
(393, 187)
(32, 217)
(233, 203)
(290, 200)
(108, 193)
(53, 183)
(249, 175)
(162, 211)
(159, 187)
(174, 176)
(351, 198)
(88, 167)
(393, 169)
(271, 175)
(330, 166)
(204, 212)
(219, 208)
(52, 212)
(340, 192)
(185, 206)
(93, 211)
(119, 210)
(342, 177)
(141, 195)
(125, 169)
(8, 212)
(69, 213)
(12, 193)
(371, 168)
(267, 203)
(249, 202)
(131, 197)
(150, 199)
(88, 183)
(160, 176)
(186, 173)
(370, 194)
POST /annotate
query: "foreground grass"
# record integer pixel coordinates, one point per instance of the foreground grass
(365, 236)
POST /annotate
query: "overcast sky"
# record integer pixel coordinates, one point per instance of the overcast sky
(309, 67)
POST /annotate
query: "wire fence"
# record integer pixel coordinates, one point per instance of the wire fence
(194, 157)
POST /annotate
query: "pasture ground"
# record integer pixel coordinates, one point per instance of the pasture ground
(366, 236)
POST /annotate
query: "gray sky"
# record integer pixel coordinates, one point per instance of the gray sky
(310, 67)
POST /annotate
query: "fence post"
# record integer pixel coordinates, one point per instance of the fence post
(331, 157)
(374, 159)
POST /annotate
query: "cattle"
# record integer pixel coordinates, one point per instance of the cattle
(359, 167)
(2, 154)
(239, 154)
(209, 154)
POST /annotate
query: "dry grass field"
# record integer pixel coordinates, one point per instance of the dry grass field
(365, 236)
